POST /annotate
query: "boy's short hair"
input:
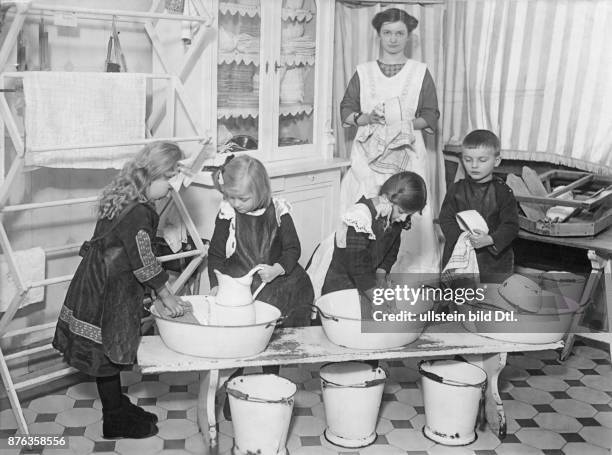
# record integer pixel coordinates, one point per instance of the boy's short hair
(482, 138)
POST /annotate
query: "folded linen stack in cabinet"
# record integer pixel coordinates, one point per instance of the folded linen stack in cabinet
(302, 45)
(241, 78)
(292, 86)
(247, 44)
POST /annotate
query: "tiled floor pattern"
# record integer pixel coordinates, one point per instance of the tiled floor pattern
(552, 408)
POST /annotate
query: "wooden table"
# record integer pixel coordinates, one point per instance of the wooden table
(599, 253)
(310, 345)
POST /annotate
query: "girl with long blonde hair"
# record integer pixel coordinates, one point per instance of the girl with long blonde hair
(98, 329)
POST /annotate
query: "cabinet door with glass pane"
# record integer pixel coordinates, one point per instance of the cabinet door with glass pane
(238, 74)
(295, 69)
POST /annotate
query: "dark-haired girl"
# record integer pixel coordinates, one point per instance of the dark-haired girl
(369, 236)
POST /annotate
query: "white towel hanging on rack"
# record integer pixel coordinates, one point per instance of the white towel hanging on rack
(31, 263)
(64, 108)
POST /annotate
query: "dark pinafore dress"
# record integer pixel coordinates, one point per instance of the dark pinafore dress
(98, 330)
(266, 237)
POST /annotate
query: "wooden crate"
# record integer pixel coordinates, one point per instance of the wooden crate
(592, 202)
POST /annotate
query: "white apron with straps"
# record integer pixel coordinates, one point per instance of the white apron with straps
(420, 248)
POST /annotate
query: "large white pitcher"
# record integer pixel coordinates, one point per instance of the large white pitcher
(234, 301)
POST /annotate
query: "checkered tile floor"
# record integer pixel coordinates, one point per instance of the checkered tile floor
(552, 408)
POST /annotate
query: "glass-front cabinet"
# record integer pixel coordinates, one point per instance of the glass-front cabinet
(273, 77)
(238, 73)
(297, 72)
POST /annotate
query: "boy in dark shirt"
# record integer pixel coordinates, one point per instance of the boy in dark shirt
(489, 196)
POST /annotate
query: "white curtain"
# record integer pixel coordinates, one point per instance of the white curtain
(356, 41)
(536, 72)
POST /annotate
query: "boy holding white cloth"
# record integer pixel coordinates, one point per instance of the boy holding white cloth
(492, 199)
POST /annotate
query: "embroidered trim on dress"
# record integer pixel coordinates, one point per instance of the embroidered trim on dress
(359, 218)
(390, 69)
(150, 265)
(80, 328)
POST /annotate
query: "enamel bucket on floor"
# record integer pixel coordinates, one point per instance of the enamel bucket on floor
(352, 392)
(261, 406)
(452, 392)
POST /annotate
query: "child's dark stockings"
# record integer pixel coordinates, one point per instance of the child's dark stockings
(109, 388)
(121, 418)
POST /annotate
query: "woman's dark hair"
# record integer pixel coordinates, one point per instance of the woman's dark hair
(394, 15)
(406, 189)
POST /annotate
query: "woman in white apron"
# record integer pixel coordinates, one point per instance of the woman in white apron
(391, 101)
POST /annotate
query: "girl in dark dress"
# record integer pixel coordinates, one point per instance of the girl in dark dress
(366, 244)
(368, 240)
(99, 323)
(254, 229)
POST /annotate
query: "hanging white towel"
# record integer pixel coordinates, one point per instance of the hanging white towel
(319, 264)
(64, 108)
(172, 229)
(463, 260)
(31, 265)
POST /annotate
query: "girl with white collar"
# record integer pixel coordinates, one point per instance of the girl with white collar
(368, 239)
(253, 229)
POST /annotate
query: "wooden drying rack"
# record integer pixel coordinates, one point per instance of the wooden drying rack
(175, 92)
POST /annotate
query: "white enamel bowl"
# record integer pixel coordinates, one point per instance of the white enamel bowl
(549, 325)
(218, 341)
(341, 320)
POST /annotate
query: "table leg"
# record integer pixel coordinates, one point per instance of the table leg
(598, 265)
(492, 364)
(494, 407)
(209, 381)
(608, 297)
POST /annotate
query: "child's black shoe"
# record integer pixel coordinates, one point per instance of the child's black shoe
(119, 423)
(137, 411)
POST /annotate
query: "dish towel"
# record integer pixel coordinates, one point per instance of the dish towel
(463, 260)
(31, 265)
(388, 147)
(64, 108)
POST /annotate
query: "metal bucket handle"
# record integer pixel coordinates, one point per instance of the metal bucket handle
(480, 417)
(451, 382)
(361, 385)
(323, 315)
(246, 397)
